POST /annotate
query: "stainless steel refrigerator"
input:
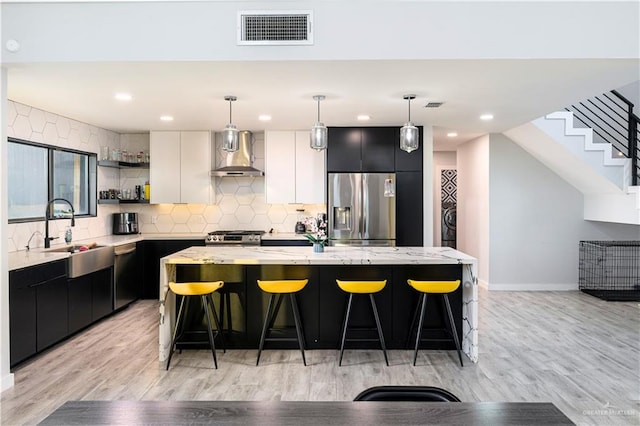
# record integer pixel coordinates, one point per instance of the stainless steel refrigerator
(362, 209)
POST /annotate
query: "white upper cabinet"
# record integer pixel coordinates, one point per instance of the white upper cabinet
(181, 170)
(294, 173)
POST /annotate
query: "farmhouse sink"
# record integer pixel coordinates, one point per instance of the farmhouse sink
(82, 263)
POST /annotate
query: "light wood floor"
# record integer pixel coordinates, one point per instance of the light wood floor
(574, 350)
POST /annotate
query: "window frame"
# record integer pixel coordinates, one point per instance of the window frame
(92, 178)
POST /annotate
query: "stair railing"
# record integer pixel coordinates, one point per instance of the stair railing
(611, 117)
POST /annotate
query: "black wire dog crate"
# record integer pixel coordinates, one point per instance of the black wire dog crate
(610, 270)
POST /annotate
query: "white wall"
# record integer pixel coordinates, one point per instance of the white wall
(6, 379)
(343, 30)
(473, 203)
(536, 223)
(442, 160)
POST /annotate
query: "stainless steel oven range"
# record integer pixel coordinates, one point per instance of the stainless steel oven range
(246, 238)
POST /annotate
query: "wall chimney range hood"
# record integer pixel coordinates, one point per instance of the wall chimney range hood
(239, 163)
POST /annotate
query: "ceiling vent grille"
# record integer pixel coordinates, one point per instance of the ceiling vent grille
(434, 105)
(275, 27)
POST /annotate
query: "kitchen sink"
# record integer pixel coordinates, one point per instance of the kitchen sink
(82, 263)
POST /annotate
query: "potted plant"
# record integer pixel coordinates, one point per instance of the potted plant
(317, 231)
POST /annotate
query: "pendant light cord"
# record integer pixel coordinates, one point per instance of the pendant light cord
(318, 110)
(409, 110)
(230, 111)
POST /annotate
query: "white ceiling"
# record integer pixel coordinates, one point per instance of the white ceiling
(514, 91)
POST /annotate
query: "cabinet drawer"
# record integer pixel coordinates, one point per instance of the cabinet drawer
(26, 277)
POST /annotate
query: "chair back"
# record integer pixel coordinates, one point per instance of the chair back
(406, 393)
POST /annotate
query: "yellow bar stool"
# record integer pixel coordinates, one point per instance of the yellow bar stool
(366, 288)
(205, 291)
(443, 288)
(281, 288)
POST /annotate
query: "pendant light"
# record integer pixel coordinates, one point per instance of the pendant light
(319, 132)
(409, 136)
(230, 138)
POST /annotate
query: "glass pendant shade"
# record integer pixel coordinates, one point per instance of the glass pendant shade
(319, 136)
(319, 132)
(409, 135)
(230, 136)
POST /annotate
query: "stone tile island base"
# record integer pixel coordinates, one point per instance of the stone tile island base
(321, 302)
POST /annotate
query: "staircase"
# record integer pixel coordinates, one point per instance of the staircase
(581, 157)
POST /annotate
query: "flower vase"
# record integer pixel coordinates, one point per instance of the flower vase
(318, 247)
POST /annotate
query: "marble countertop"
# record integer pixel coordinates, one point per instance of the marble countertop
(331, 256)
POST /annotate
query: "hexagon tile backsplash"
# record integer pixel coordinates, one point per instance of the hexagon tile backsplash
(240, 202)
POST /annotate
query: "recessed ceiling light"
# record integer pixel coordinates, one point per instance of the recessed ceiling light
(486, 117)
(166, 118)
(364, 117)
(264, 117)
(452, 134)
(123, 96)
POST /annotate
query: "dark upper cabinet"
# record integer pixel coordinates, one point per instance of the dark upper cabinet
(370, 149)
(408, 162)
(378, 148)
(409, 210)
(344, 150)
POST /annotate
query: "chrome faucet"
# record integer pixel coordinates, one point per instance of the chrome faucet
(47, 213)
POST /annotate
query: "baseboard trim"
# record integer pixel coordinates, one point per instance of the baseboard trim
(534, 287)
(483, 284)
(6, 382)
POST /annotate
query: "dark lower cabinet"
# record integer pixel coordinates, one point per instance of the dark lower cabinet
(90, 298)
(79, 303)
(323, 304)
(22, 319)
(37, 308)
(101, 294)
(51, 312)
(152, 252)
(45, 307)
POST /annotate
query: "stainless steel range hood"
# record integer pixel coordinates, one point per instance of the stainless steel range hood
(239, 163)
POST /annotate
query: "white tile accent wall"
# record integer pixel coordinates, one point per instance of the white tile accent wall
(240, 202)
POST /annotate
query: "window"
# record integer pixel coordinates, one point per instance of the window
(38, 173)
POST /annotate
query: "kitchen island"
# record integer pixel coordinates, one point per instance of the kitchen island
(321, 305)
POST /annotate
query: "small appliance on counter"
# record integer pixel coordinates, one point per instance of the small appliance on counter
(125, 223)
(301, 228)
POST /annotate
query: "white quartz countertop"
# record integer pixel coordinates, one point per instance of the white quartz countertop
(331, 256)
(35, 256)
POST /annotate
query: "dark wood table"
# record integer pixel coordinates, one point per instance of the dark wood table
(305, 413)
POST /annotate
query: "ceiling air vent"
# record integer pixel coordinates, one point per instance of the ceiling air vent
(434, 105)
(275, 27)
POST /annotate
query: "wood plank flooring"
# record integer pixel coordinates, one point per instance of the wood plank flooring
(568, 348)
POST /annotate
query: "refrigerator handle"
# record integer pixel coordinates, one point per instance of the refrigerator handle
(364, 207)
